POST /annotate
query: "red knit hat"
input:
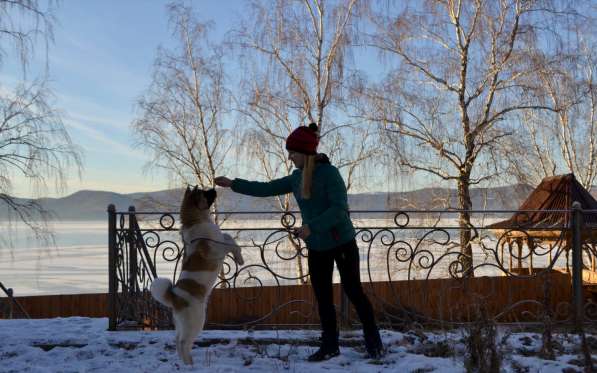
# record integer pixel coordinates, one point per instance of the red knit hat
(303, 140)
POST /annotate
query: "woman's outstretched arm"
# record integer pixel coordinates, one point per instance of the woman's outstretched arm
(257, 188)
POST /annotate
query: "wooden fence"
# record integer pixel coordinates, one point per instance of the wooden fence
(447, 299)
(49, 306)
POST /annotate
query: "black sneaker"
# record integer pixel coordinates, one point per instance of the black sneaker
(321, 354)
(375, 353)
(373, 343)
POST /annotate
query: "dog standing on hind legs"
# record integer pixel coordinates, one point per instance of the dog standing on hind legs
(206, 248)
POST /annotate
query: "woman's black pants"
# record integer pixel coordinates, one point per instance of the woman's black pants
(321, 267)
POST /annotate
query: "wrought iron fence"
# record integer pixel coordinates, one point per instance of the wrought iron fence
(413, 266)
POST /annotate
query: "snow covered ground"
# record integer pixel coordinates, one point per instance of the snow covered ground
(83, 345)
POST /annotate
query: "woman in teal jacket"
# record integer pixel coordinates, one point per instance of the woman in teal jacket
(328, 232)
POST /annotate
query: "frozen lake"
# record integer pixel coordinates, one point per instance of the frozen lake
(78, 263)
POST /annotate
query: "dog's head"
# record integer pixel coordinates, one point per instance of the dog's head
(199, 198)
(195, 203)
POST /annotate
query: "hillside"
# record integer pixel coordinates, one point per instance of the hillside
(92, 205)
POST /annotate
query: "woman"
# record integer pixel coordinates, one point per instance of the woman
(327, 230)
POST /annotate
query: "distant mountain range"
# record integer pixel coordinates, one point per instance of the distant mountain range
(92, 205)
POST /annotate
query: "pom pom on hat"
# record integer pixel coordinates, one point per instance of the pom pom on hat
(304, 139)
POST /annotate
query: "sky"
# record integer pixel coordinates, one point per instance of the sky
(99, 64)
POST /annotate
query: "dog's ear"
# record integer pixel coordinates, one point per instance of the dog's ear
(210, 195)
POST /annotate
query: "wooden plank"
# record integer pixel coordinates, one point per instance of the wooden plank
(48, 306)
(448, 299)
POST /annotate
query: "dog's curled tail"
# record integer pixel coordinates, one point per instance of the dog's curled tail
(161, 290)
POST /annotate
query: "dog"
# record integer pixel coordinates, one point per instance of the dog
(206, 248)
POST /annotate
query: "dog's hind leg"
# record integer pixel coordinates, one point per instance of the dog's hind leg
(179, 347)
(178, 338)
(186, 344)
(188, 335)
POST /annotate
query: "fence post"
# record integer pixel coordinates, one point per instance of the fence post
(132, 251)
(577, 263)
(10, 301)
(112, 266)
(9, 293)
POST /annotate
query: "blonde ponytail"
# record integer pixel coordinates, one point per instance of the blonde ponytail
(308, 168)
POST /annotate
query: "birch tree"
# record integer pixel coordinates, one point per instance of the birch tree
(564, 141)
(181, 120)
(34, 143)
(461, 71)
(296, 55)
(298, 52)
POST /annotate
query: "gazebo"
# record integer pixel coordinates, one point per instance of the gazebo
(542, 219)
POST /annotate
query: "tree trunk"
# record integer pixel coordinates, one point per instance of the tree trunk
(299, 262)
(296, 247)
(464, 223)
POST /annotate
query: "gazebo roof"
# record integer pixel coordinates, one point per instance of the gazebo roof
(553, 193)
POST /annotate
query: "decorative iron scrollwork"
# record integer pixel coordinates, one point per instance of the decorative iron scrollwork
(416, 255)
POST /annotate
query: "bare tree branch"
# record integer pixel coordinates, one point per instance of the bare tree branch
(181, 112)
(34, 143)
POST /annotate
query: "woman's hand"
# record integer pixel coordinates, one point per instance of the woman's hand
(303, 232)
(223, 181)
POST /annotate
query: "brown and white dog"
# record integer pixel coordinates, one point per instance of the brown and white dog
(206, 248)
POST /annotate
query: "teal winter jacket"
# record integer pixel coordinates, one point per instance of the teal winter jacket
(326, 212)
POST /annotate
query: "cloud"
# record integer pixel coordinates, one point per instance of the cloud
(87, 110)
(113, 147)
